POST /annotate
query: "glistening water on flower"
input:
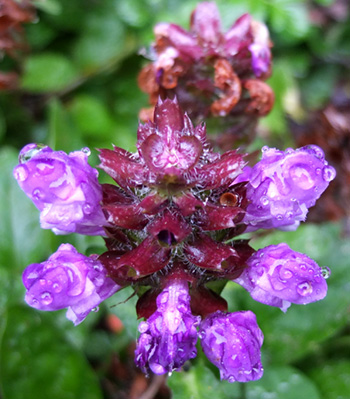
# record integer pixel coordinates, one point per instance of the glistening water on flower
(172, 224)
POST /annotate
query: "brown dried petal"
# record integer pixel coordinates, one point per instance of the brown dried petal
(261, 95)
(229, 83)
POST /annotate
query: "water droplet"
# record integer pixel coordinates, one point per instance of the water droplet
(264, 200)
(42, 281)
(87, 209)
(20, 173)
(86, 150)
(44, 168)
(95, 309)
(279, 217)
(57, 287)
(265, 148)
(318, 171)
(38, 194)
(303, 267)
(304, 289)
(29, 151)
(286, 274)
(326, 272)
(46, 298)
(328, 173)
(316, 150)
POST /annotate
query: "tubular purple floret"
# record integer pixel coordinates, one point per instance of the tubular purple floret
(70, 280)
(232, 342)
(278, 276)
(168, 338)
(284, 185)
(64, 187)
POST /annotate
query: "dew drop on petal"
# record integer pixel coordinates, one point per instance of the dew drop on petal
(86, 150)
(87, 209)
(42, 281)
(264, 200)
(95, 309)
(38, 194)
(328, 173)
(20, 173)
(326, 272)
(46, 298)
(304, 289)
(57, 287)
(30, 151)
(44, 168)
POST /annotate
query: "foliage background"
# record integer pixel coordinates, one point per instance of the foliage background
(78, 88)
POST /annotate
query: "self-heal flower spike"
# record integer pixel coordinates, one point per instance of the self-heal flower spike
(278, 276)
(168, 338)
(232, 342)
(64, 187)
(284, 185)
(70, 280)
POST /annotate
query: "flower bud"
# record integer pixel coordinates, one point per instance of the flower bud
(232, 342)
(63, 187)
(284, 185)
(278, 276)
(168, 338)
(70, 280)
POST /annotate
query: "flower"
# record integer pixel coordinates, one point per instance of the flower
(278, 276)
(63, 187)
(70, 280)
(212, 73)
(284, 185)
(172, 223)
(168, 338)
(232, 342)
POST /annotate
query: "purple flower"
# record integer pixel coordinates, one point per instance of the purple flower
(278, 276)
(284, 185)
(63, 187)
(260, 49)
(168, 338)
(232, 342)
(70, 280)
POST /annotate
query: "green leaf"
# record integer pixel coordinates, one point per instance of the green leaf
(200, 383)
(282, 382)
(123, 305)
(333, 379)
(37, 361)
(91, 117)
(48, 72)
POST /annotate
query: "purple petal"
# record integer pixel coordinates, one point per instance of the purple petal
(206, 23)
(283, 185)
(232, 342)
(168, 338)
(70, 280)
(278, 276)
(64, 188)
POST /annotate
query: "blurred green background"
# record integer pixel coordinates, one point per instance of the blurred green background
(78, 88)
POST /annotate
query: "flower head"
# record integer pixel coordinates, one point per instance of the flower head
(232, 342)
(278, 276)
(212, 73)
(70, 280)
(63, 187)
